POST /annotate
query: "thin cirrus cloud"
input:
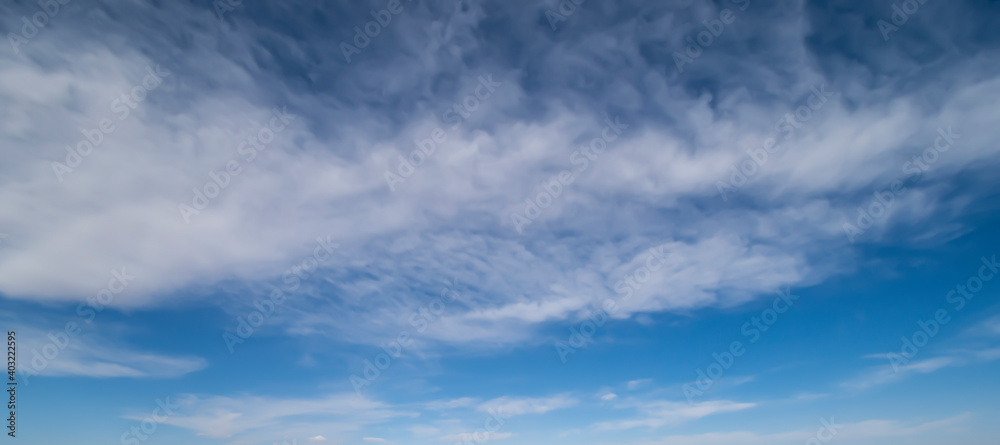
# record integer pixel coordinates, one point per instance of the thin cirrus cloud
(507, 406)
(862, 433)
(96, 354)
(482, 172)
(965, 351)
(655, 414)
(248, 418)
(245, 418)
(463, 437)
(449, 226)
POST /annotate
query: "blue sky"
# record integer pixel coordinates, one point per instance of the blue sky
(428, 222)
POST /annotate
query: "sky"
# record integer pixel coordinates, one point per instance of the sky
(463, 222)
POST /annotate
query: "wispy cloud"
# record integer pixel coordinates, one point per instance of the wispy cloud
(890, 372)
(245, 416)
(421, 88)
(853, 433)
(655, 414)
(464, 437)
(662, 173)
(95, 354)
(516, 406)
(632, 385)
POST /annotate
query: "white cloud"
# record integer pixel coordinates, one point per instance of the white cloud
(515, 406)
(246, 416)
(461, 402)
(988, 327)
(423, 430)
(655, 186)
(477, 437)
(870, 432)
(903, 368)
(655, 414)
(94, 354)
(632, 385)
